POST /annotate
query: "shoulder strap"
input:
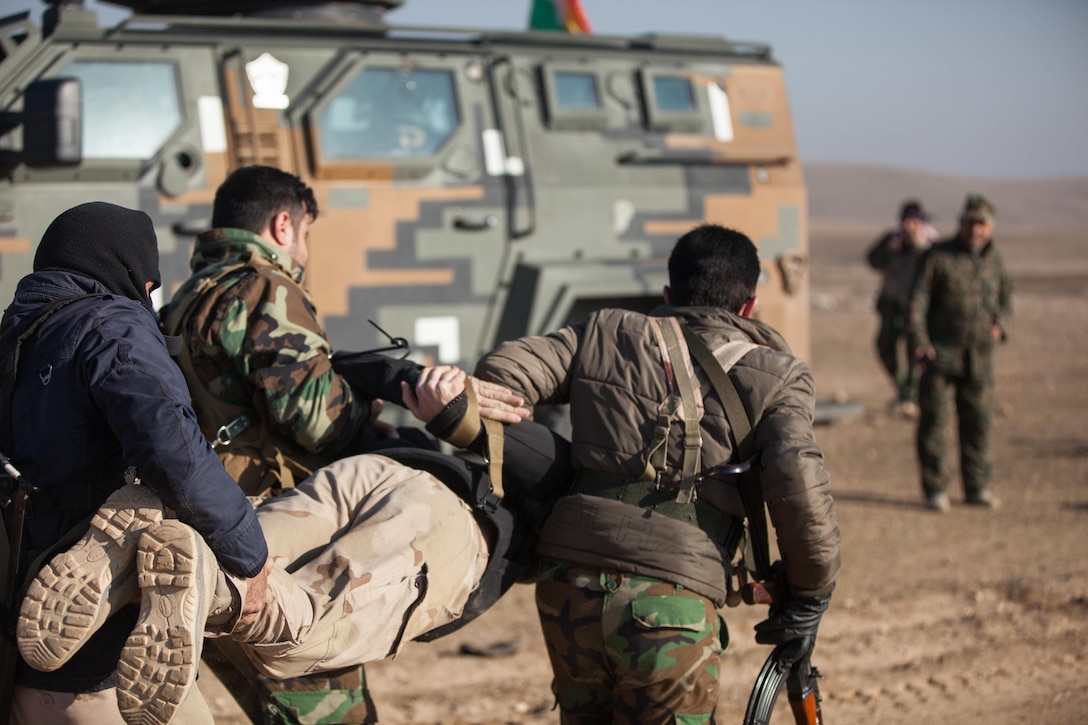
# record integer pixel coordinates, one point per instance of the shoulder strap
(685, 386)
(9, 363)
(740, 431)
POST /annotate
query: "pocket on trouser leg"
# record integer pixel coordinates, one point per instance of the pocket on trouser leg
(317, 707)
(666, 612)
(666, 659)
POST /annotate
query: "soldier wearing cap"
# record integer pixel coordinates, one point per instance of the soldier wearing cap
(959, 310)
(896, 255)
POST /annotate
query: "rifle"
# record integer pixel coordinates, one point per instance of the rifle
(9, 653)
(783, 666)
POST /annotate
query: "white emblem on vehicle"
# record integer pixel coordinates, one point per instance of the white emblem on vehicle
(268, 78)
(442, 332)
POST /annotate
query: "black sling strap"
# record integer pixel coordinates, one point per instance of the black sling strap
(9, 363)
(41, 500)
(740, 431)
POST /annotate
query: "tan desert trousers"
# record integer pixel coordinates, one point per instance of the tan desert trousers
(370, 553)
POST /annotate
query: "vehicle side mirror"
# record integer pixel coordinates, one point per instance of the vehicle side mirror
(52, 121)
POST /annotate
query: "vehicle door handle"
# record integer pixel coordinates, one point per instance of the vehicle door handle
(478, 224)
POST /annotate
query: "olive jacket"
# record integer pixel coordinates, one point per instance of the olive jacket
(611, 370)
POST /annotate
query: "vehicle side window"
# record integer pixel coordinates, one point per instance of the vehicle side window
(671, 103)
(573, 100)
(673, 94)
(130, 109)
(576, 91)
(389, 112)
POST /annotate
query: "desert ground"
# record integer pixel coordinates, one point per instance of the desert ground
(971, 617)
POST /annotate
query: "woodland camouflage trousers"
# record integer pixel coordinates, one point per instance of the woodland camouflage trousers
(629, 649)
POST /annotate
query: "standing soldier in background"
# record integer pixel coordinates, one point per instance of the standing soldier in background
(959, 311)
(896, 255)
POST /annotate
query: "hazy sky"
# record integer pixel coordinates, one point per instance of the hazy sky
(993, 88)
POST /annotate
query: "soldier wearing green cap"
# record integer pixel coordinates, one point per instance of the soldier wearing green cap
(959, 311)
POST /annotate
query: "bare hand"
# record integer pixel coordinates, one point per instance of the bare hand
(436, 388)
(381, 428)
(256, 595)
(384, 429)
(995, 330)
(498, 402)
(924, 354)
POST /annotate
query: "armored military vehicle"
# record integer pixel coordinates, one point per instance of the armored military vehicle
(474, 185)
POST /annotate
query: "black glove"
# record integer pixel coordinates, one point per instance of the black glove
(797, 618)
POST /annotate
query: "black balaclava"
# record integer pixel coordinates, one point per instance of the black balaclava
(108, 243)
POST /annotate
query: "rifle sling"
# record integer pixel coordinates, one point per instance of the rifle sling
(740, 431)
(9, 363)
(15, 582)
(693, 442)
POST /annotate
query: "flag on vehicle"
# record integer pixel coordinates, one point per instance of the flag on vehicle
(563, 15)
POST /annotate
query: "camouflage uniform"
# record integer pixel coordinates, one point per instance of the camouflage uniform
(956, 301)
(649, 637)
(254, 347)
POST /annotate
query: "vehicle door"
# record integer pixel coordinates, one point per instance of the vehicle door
(400, 145)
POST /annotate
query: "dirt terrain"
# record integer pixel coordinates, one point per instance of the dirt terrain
(968, 617)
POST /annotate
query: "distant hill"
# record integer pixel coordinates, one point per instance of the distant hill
(841, 194)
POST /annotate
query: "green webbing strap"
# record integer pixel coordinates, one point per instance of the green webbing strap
(693, 440)
(740, 431)
(656, 453)
(649, 495)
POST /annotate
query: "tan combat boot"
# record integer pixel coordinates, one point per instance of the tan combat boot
(178, 576)
(82, 587)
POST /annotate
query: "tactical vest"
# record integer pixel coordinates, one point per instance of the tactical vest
(656, 525)
(260, 461)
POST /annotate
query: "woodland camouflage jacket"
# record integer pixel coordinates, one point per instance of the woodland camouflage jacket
(256, 343)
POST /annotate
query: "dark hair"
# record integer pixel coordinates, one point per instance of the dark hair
(912, 209)
(252, 196)
(712, 266)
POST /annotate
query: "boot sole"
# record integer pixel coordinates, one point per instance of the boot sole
(158, 665)
(79, 589)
